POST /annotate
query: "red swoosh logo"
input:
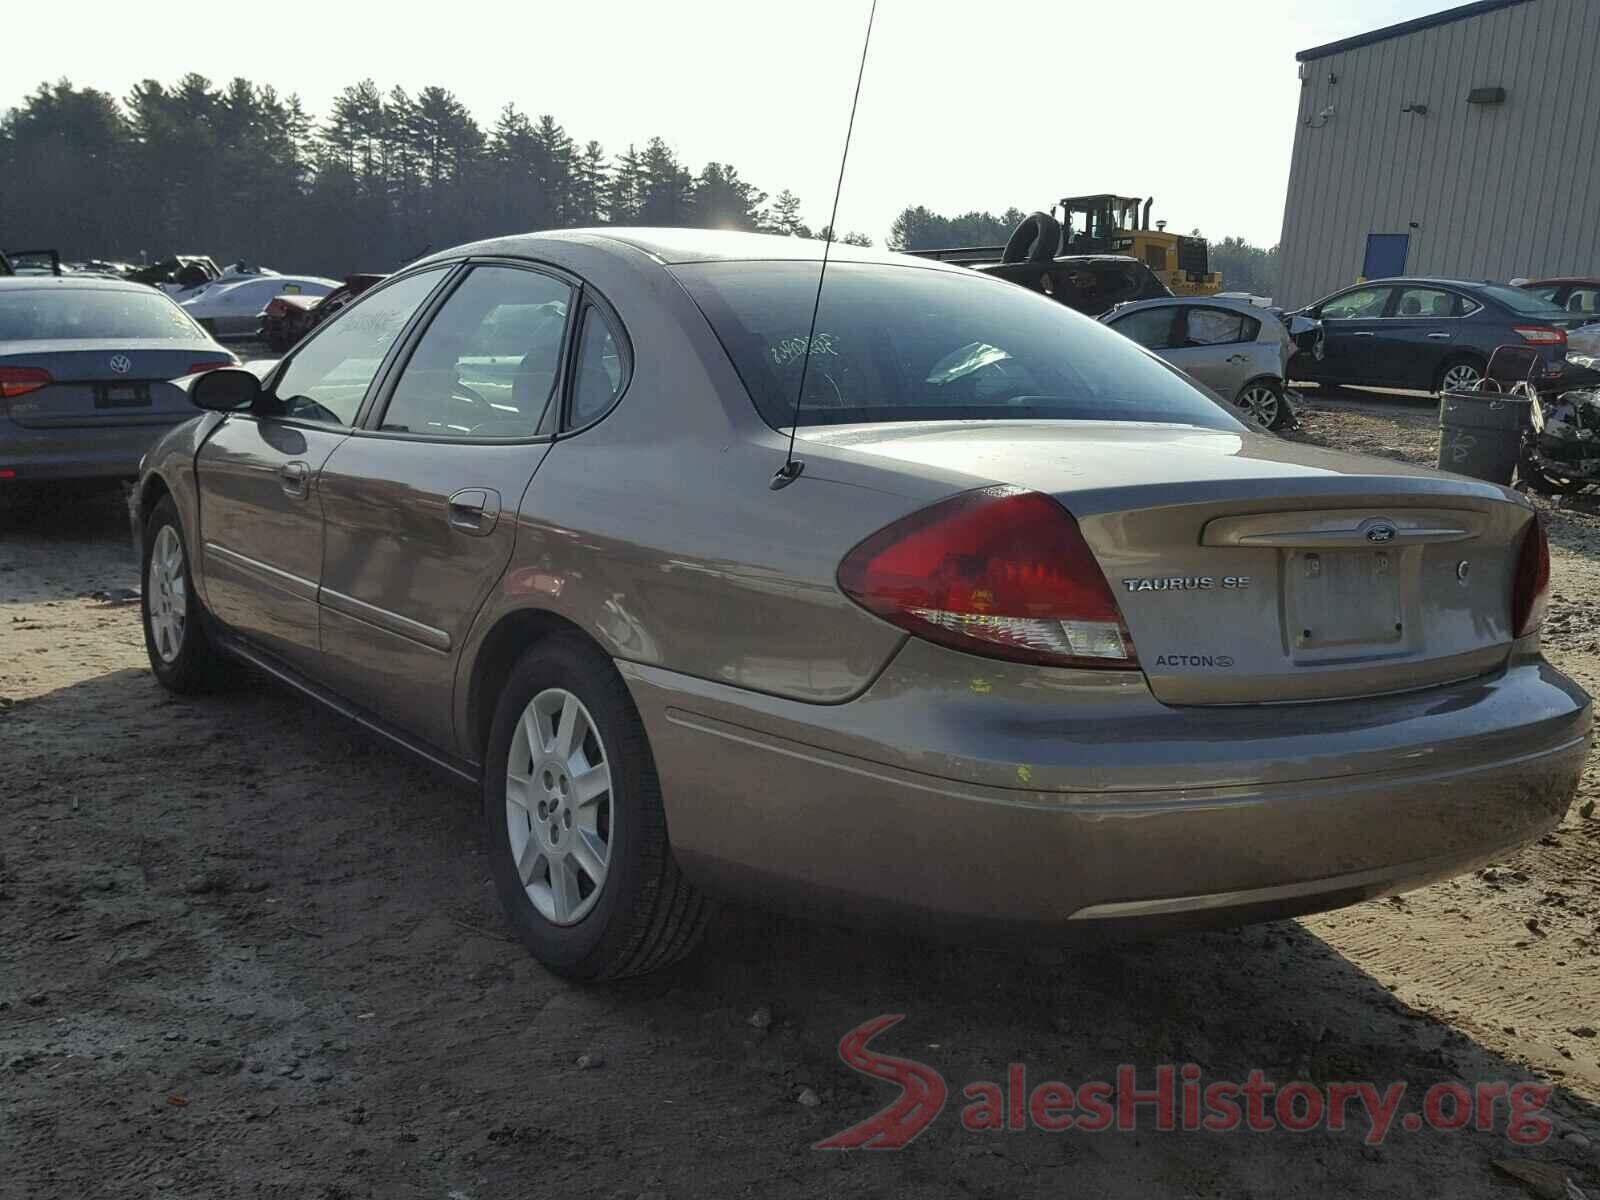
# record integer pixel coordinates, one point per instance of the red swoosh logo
(922, 1092)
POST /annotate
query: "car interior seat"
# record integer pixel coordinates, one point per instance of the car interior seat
(1441, 306)
(1410, 307)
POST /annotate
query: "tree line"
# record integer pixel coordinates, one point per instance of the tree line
(241, 171)
(244, 172)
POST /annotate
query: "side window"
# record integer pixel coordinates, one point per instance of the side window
(327, 380)
(1584, 301)
(488, 363)
(600, 372)
(1361, 304)
(1214, 327)
(1426, 302)
(1152, 328)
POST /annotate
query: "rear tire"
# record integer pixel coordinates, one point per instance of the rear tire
(1459, 375)
(1264, 403)
(181, 653)
(577, 834)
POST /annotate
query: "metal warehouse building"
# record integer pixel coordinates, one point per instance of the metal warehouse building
(1462, 144)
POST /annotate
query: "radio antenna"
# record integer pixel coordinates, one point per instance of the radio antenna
(790, 471)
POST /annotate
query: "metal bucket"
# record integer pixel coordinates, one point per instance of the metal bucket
(1480, 433)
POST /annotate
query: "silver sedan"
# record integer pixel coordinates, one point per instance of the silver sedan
(1239, 350)
(1027, 634)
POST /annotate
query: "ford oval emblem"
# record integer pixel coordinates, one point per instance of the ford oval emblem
(121, 364)
(1380, 533)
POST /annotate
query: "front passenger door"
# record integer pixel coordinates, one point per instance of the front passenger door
(1351, 322)
(260, 502)
(421, 505)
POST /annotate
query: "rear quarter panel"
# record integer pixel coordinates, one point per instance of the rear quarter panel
(656, 532)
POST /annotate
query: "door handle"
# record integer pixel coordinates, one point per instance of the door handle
(1362, 333)
(1238, 358)
(473, 511)
(1443, 337)
(294, 476)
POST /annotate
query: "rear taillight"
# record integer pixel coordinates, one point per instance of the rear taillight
(19, 381)
(1530, 591)
(196, 368)
(1001, 572)
(1541, 335)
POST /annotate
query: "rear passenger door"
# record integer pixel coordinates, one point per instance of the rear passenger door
(1416, 337)
(421, 502)
(1215, 347)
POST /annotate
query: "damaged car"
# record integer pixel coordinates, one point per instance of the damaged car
(916, 597)
(1238, 349)
(289, 317)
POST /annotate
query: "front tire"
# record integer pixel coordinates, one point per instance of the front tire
(577, 833)
(181, 654)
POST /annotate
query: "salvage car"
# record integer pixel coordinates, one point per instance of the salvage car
(1238, 349)
(1026, 635)
(1578, 295)
(85, 371)
(288, 318)
(233, 309)
(1427, 334)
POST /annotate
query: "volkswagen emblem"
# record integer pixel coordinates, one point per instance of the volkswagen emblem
(121, 364)
(1380, 533)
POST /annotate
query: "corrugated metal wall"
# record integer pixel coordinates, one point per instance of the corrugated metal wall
(1495, 191)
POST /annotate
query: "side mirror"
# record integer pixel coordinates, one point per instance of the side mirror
(227, 389)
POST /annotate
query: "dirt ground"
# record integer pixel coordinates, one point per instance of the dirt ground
(244, 951)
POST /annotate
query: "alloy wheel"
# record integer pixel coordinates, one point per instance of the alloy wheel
(169, 597)
(1462, 377)
(559, 812)
(1262, 402)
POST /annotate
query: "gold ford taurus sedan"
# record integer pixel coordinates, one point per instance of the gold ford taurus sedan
(1037, 639)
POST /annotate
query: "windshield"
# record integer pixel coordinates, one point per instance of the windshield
(900, 343)
(101, 313)
(1519, 301)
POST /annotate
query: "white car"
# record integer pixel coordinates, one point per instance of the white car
(234, 309)
(1238, 348)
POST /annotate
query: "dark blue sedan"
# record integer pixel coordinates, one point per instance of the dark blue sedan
(1428, 334)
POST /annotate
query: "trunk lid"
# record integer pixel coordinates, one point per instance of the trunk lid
(93, 382)
(1255, 570)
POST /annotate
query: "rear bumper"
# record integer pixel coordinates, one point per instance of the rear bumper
(62, 454)
(763, 806)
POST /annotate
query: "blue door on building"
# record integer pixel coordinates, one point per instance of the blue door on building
(1386, 255)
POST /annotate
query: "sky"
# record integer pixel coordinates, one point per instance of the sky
(982, 104)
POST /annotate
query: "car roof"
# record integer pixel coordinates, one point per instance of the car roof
(1264, 315)
(95, 282)
(679, 246)
(1429, 280)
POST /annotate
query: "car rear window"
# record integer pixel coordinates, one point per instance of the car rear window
(900, 343)
(30, 314)
(1519, 301)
